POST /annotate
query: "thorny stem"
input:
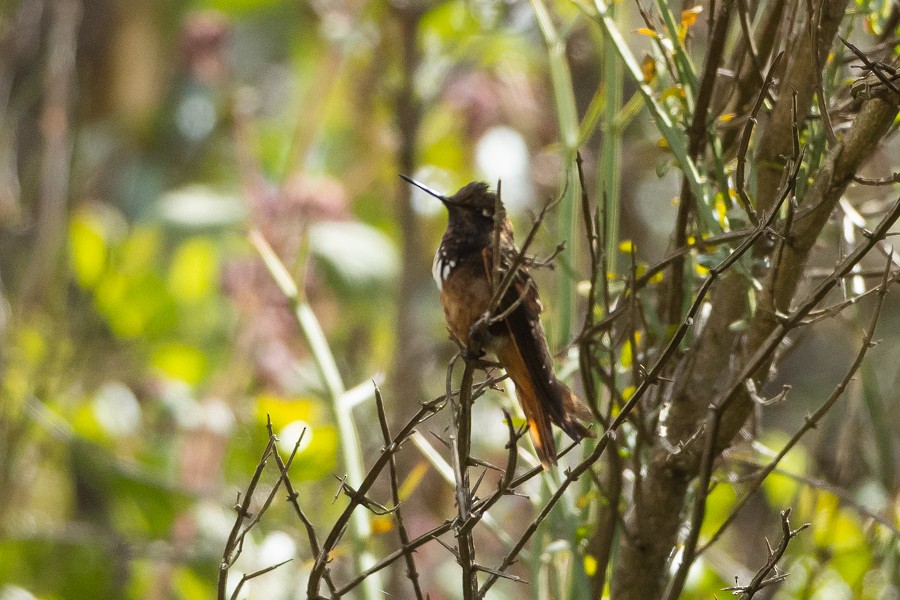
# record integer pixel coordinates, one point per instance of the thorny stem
(411, 572)
(465, 544)
(242, 507)
(358, 496)
(759, 580)
(812, 421)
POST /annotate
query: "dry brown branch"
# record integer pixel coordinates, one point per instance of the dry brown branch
(762, 579)
(800, 76)
(235, 543)
(411, 571)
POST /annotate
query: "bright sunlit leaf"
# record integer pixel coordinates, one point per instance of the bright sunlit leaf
(319, 458)
(180, 361)
(296, 434)
(721, 210)
(626, 357)
(286, 410)
(189, 585)
(194, 270)
(780, 490)
(360, 253)
(590, 565)
(719, 503)
(200, 206)
(116, 409)
(87, 249)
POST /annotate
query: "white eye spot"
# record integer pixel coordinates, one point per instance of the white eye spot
(486, 212)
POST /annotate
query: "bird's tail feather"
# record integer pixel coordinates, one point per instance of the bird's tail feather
(561, 407)
(535, 412)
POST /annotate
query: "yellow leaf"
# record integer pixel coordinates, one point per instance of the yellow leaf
(590, 565)
(628, 392)
(721, 210)
(676, 91)
(194, 270)
(87, 249)
(180, 361)
(626, 246)
(626, 358)
(412, 481)
(726, 118)
(689, 16)
(282, 410)
(31, 343)
(646, 31)
(382, 524)
(648, 68)
(140, 250)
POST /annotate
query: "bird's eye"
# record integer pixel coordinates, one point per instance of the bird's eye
(485, 212)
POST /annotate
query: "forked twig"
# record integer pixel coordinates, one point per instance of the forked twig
(762, 579)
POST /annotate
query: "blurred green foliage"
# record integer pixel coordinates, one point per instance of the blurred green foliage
(139, 371)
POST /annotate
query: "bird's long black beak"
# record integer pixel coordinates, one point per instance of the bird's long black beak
(426, 189)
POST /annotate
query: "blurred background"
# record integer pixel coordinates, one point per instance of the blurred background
(144, 344)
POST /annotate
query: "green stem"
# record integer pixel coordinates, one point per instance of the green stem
(567, 120)
(673, 135)
(608, 181)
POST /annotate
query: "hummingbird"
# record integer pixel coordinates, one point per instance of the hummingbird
(463, 270)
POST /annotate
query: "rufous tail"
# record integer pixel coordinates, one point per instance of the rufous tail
(544, 401)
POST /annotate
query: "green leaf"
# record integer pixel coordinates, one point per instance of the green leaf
(779, 489)
(194, 270)
(180, 361)
(87, 249)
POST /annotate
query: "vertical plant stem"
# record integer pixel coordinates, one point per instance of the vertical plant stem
(608, 178)
(567, 120)
(462, 446)
(673, 134)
